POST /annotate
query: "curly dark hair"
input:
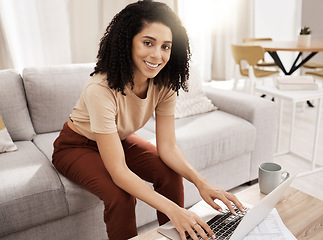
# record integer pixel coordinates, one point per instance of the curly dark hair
(115, 51)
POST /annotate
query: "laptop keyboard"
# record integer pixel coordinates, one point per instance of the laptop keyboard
(224, 224)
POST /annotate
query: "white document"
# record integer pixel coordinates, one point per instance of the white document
(271, 228)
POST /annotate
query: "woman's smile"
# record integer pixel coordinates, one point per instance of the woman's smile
(151, 65)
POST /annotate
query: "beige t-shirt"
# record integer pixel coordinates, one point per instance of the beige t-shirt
(101, 109)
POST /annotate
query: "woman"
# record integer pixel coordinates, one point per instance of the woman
(142, 63)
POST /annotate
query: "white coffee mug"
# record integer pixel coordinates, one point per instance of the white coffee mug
(270, 175)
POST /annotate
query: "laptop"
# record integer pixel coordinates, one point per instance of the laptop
(245, 222)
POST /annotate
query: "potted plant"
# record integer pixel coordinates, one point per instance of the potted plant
(304, 38)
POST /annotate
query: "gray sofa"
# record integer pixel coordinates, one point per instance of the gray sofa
(36, 202)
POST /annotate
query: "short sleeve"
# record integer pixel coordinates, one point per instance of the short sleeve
(102, 108)
(167, 102)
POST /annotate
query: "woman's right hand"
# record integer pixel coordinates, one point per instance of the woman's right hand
(187, 221)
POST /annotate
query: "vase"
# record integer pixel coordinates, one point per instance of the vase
(304, 40)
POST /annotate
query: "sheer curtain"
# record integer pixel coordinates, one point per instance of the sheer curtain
(5, 55)
(212, 26)
(45, 32)
(36, 32)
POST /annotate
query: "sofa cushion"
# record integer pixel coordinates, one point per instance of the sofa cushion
(77, 198)
(13, 106)
(30, 191)
(208, 138)
(213, 137)
(52, 93)
(45, 143)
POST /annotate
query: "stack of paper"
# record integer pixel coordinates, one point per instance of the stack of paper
(271, 228)
(296, 83)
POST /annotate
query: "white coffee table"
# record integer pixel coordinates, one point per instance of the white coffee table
(295, 96)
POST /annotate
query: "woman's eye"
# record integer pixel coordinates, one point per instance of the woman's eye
(166, 47)
(148, 43)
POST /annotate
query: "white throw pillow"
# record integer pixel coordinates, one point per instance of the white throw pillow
(6, 143)
(194, 101)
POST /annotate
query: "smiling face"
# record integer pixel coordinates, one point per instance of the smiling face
(151, 49)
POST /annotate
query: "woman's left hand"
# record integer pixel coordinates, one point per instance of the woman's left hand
(209, 193)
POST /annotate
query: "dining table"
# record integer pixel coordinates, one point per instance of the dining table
(272, 47)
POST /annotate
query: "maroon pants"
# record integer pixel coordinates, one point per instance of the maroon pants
(78, 158)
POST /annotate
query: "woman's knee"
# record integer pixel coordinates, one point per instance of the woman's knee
(115, 198)
(167, 176)
(170, 184)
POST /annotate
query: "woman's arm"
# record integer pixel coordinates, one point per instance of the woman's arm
(112, 154)
(174, 158)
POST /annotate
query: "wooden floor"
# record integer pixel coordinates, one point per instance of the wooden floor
(302, 142)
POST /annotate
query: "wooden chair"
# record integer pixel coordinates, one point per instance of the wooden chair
(315, 68)
(262, 63)
(251, 55)
(313, 65)
(318, 74)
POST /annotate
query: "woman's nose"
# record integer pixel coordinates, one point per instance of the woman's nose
(156, 53)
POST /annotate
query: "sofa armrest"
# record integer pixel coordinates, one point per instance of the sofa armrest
(261, 112)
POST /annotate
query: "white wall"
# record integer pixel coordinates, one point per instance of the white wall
(280, 20)
(312, 16)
